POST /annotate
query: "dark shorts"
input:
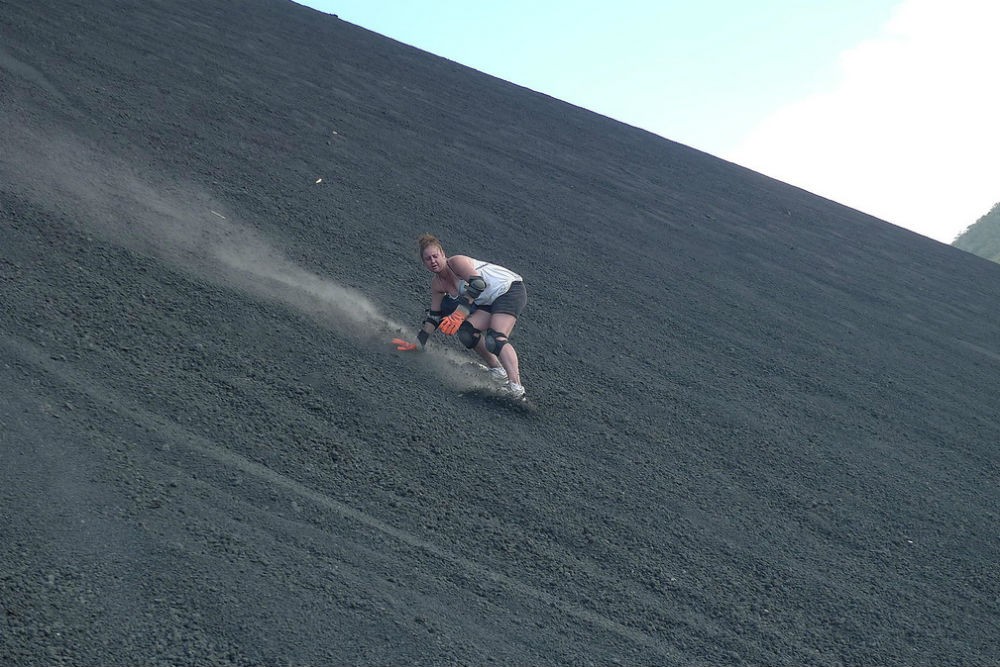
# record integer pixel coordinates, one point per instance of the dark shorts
(511, 302)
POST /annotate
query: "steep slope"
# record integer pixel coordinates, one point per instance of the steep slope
(765, 429)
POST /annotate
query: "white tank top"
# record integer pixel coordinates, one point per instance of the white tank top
(498, 280)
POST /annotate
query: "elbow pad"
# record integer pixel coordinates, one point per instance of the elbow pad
(476, 286)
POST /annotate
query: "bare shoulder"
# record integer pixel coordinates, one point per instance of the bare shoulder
(462, 265)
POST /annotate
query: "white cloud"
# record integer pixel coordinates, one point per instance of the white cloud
(910, 130)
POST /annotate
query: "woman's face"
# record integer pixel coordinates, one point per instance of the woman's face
(434, 258)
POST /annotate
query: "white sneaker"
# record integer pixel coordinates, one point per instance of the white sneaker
(513, 390)
(498, 373)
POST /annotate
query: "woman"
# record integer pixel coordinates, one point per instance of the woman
(478, 301)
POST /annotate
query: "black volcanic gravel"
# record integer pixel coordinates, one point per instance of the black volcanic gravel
(763, 429)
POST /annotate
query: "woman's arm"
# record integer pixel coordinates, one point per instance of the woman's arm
(433, 318)
(430, 323)
(462, 266)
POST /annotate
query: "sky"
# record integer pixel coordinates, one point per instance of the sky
(887, 106)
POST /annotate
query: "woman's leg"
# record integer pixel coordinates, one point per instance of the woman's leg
(488, 357)
(503, 324)
(481, 321)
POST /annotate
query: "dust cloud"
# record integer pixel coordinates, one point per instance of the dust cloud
(182, 224)
(175, 222)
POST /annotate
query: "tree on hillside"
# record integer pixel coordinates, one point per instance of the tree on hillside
(983, 238)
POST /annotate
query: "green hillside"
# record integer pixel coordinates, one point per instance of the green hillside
(983, 238)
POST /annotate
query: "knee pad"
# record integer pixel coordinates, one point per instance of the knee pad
(495, 340)
(468, 334)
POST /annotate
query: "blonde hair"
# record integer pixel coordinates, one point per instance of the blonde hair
(427, 240)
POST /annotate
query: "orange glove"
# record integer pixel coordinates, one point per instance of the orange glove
(449, 325)
(403, 346)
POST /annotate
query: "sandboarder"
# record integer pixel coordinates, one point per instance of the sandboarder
(478, 301)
